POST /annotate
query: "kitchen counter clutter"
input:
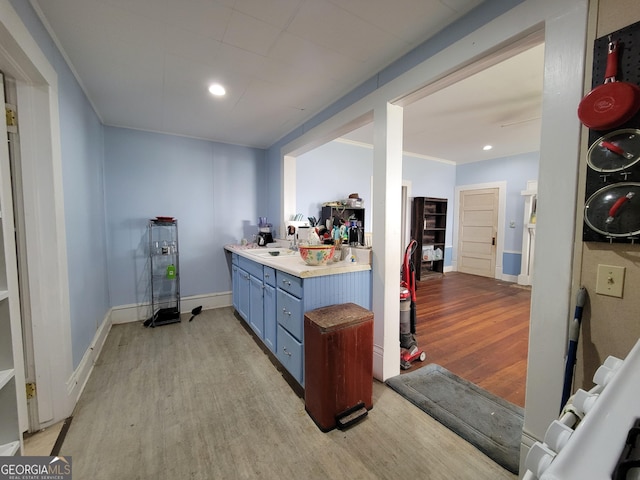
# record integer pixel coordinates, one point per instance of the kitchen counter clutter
(289, 261)
(272, 293)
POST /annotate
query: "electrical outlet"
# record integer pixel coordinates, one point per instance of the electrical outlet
(610, 280)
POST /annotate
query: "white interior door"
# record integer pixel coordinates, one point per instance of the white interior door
(34, 413)
(477, 231)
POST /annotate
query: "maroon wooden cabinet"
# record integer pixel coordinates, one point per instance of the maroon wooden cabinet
(338, 364)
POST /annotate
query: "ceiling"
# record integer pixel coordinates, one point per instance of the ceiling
(500, 106)
(146, 64)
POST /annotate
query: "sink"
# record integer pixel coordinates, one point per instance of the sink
(273, 252)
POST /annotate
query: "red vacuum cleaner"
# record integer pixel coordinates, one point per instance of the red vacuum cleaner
(409, 351)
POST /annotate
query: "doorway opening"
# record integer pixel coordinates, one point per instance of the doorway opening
(477, 310)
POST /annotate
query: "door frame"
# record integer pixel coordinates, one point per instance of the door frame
(502, 201)
(44, 221)
(405, 225)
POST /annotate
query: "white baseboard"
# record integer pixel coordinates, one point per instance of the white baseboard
(80, 376)
(509, 278)
(524, 279)
(378, 362)
(141, 312)
(499, 275)
(125, 314)
(207, 301)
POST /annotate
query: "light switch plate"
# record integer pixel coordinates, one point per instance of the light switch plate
(610, 280)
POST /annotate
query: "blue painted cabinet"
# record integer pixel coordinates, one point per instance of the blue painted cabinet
(290, 316)
(256, 308)
(243, 294)
(273, 303)
(295, 296)
(235, 282)
(269, 304)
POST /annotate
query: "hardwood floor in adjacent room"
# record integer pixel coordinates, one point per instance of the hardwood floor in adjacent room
(478, 328)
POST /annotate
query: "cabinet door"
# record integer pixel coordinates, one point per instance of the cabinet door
(270, 317)
(256, 309)
(243, 294)
(290, 354)
(289, 313)
(235, 286)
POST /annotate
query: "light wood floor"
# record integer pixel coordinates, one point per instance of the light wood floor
(41, 443)
(477, 328)
(201, 400)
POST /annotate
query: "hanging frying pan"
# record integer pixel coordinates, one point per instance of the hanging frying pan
(615, 151)
(612, 103)
(614, 210)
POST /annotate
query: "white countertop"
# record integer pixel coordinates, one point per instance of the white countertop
(291, 262)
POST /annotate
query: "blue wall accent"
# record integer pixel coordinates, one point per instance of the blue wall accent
(448, 253)
(511, 263)
(213, 189)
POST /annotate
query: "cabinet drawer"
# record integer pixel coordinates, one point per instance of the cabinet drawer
(289, 313)
(269, 276)
(289, 283)
(253, 268)
(290, 353)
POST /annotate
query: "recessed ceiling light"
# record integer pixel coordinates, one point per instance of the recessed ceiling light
(217, 90)
(487, 147)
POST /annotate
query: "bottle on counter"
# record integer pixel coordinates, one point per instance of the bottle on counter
(353, 233)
